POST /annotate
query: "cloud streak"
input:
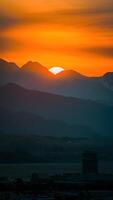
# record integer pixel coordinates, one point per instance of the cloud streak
(100, 51)
(8, 44)
(97, 17)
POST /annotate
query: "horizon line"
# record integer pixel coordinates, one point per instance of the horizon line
(35, 61)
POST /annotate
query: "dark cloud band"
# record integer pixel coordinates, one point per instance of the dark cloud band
(101, 17)
(101, 51)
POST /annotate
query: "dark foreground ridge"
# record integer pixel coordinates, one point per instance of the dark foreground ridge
(57, 188)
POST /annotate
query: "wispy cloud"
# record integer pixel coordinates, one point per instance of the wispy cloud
(100, 51)
(8, 44)
(101, 17)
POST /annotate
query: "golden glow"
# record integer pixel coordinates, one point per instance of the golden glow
(56, 70)
(71, 33)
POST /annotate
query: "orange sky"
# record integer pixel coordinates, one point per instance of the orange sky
(69, 33)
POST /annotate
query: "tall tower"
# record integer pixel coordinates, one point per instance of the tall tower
(89, 163)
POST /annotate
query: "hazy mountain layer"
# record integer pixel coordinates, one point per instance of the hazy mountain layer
(97, 116)
(33, 148)
(69, 83)
(24, 123)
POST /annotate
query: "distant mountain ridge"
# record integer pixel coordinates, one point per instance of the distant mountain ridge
(98, 117)
(35, 76)
(8, 71)
(4, 66)
(35, 67)
(24, 123)
(107, 79)
(70, 74)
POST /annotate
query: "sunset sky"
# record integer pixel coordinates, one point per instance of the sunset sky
(76, 34)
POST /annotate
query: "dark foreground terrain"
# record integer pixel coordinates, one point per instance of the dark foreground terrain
(57, 188)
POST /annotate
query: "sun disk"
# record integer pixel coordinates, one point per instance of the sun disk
(56, 70)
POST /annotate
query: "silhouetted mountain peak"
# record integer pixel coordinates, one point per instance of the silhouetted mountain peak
(6, 66)
(2, 61)
(70, 74)
(108, 75)
(34, 67)
(108, 80)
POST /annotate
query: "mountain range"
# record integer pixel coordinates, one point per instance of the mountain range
(53, 118)
(33, 100)
(70, 115)
(35, 76)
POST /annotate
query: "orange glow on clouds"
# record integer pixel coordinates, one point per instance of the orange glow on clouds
(70, 33)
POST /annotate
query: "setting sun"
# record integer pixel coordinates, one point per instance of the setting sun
(56, 70)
